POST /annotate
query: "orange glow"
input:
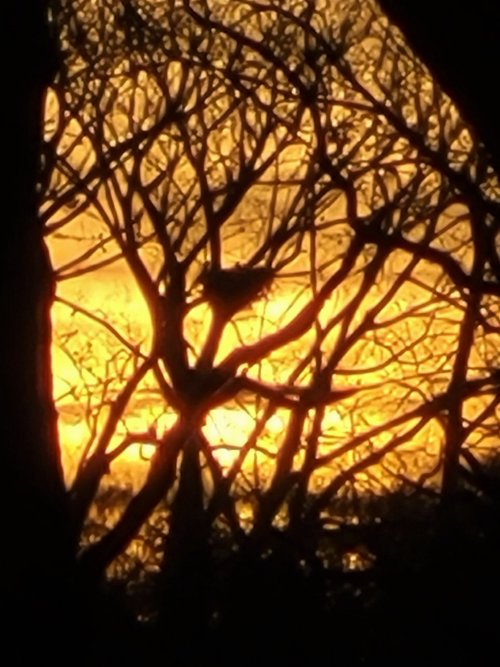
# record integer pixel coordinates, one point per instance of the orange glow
(227, 428)
(220, 180)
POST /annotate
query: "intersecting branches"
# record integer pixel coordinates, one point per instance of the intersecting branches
(312, 235)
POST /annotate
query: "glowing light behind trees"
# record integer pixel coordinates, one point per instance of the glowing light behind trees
(304, 138)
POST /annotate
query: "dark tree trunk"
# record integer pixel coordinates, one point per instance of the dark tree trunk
(459, 43)
(38, 575)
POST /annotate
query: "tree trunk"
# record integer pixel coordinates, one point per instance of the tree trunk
(460, 47)
(39, 570)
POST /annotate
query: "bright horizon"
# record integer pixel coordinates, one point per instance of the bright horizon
(400, 360)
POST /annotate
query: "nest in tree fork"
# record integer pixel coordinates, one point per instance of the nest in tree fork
(231, 290)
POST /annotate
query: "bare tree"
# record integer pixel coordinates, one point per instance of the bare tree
(314, 236)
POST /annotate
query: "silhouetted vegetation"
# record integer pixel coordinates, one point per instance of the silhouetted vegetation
(389, 577)
(275, 247)
(461, 49)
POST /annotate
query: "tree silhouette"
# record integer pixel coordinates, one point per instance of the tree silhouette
(314, 236)
(465, 64)
(36, 555)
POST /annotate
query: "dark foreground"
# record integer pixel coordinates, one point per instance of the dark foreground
(402, 579)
